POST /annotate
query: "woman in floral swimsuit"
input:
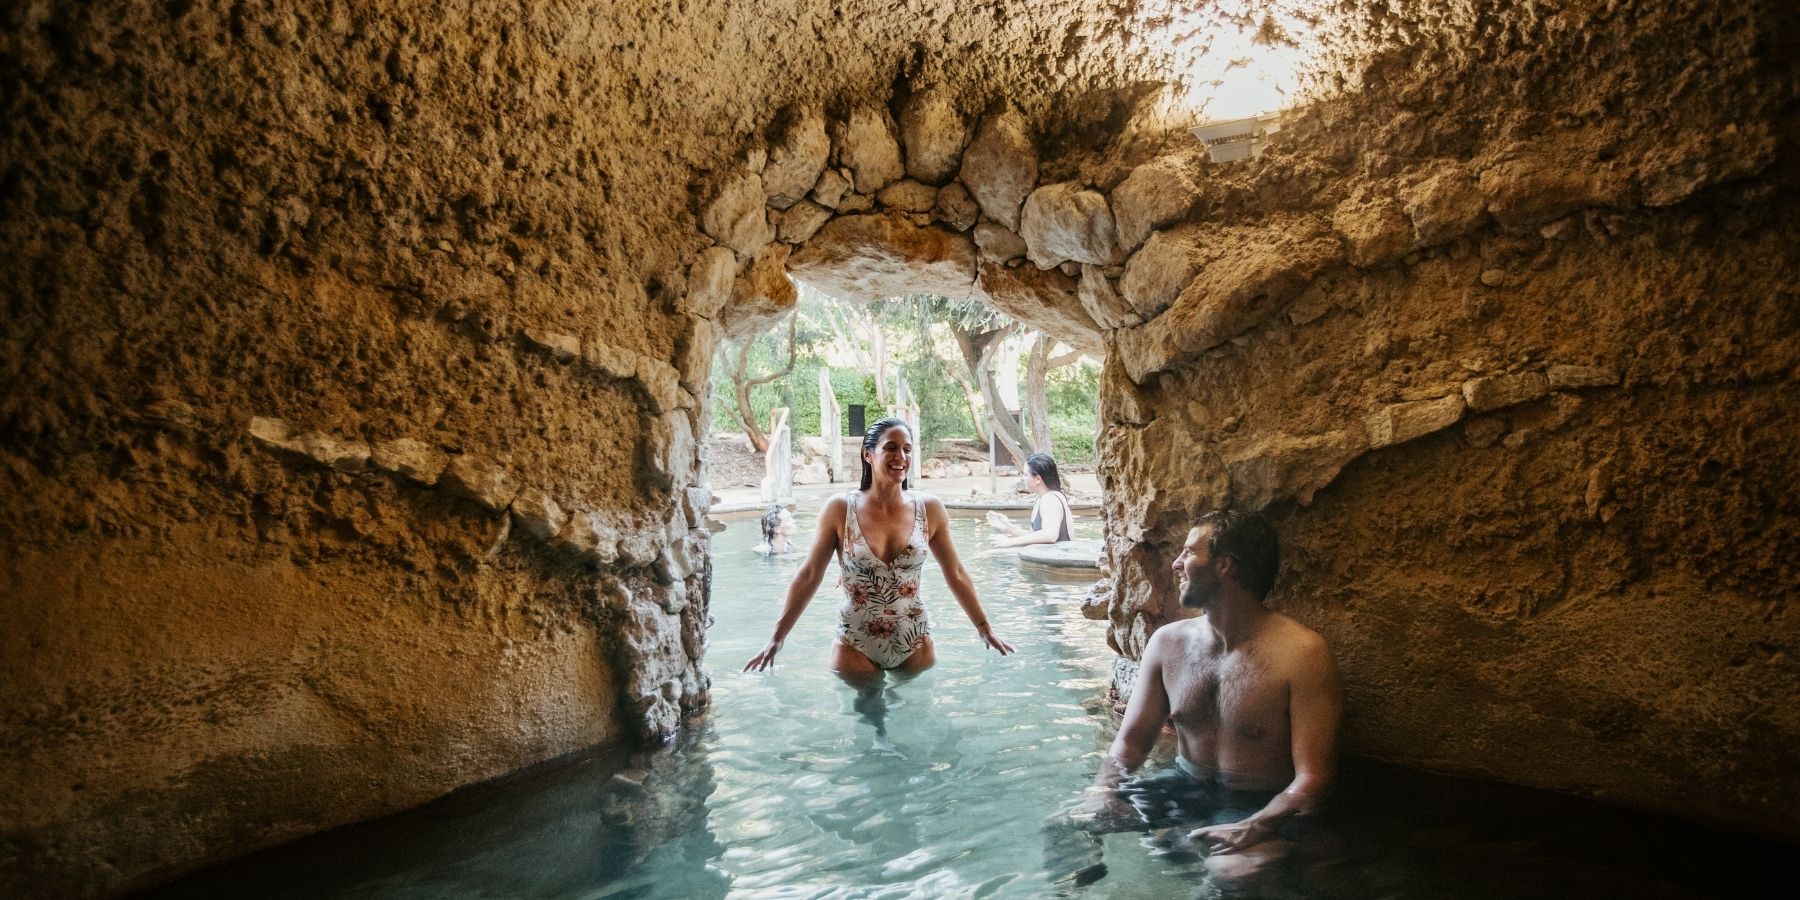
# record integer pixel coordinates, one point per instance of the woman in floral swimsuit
(880, 535)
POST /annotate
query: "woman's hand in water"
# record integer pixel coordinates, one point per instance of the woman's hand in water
(992, 640)
(764, 660)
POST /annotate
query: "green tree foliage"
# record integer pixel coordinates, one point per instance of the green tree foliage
(1073, 395)
(921, 348)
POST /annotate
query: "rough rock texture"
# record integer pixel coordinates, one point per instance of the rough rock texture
(934, 133)
(409, 234)
(1067, 222)
(1155, 194)
(873, 257)
(271, 269)
(1524, 427)
(865, 144)
(1000, 166)
(797, 160)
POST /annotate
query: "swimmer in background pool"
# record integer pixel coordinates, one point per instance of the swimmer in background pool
(880, 534)
(777, 531)
(1050, 517)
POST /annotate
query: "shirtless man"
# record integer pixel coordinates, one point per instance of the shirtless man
(1253, 695)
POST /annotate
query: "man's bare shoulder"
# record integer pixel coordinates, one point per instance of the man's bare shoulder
(1177, 636)
(1298, 643)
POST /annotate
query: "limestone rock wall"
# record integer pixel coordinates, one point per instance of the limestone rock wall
(1508, 345)
(355, 358)
(354, 355)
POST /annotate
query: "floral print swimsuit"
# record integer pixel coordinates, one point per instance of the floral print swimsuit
(882, 616)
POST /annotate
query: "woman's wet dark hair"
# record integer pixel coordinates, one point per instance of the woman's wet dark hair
(873, 437)
(1041, 465)
(771, 520)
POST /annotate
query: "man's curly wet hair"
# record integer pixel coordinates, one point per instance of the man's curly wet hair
(1247, 537)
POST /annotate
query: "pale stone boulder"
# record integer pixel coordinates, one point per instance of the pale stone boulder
(480, 479)
(761, 295)
(1444, 206)
(709, 281)
(802, 221)
(1376, 228)
(831, 188)
(1102, 301)
(410, 458)
(1067, 222)
(561, 347)
(1497, 391)
(908, 195)
(956, 207)
(1565, 377)
(1251, 273)
(661, 384)
(695, 501)
(1044, 297)
(737, 218)
(796, 162)
(934, 134)
(997, 244)
(694, 356)
(332, 453)
(650, 637)
(1000, 167)
(1401, 422)
(813, 472)
(1281, 466)
(272, 433)
(1532, 188)
(866, 145)
(1157, 193)
(873, 257)
(670, 455)
(536, 514)
(1161, 269)
(591, 536)
(613, 362)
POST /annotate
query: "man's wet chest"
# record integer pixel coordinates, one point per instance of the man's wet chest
(1234, 693)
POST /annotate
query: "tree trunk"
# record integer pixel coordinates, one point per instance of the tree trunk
(977, 352)
(970, 392)
(1006, 428)
(742, 384)
(1035, 405)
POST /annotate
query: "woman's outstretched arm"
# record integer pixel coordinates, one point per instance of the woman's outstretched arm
(962, 587)
(806, 581)
(1053, 513)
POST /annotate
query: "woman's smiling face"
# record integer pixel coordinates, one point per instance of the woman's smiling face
(892, 457)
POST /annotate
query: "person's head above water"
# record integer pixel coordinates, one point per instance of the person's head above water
(879, 443)
(771, 521)
(1225, 543)
(1041, 465)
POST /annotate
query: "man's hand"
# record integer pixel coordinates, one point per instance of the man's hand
(765, 659)
(1100, 811)
(1232, 837)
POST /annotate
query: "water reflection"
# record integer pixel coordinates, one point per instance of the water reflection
(786, 791)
